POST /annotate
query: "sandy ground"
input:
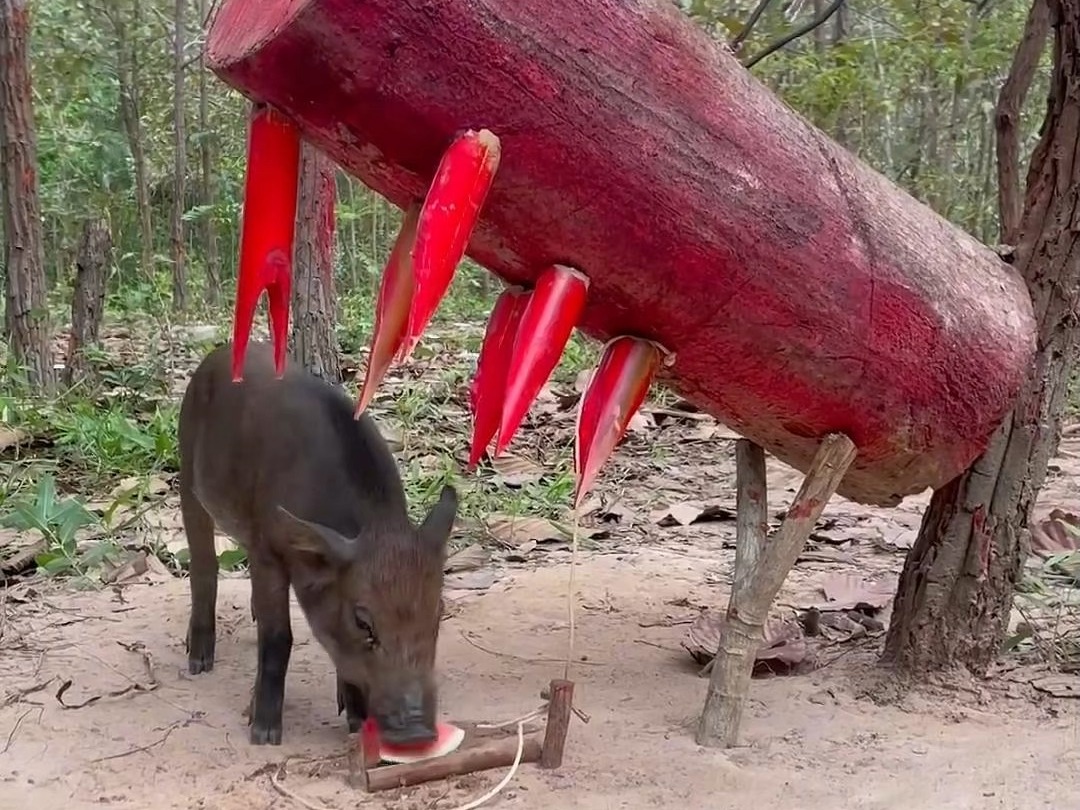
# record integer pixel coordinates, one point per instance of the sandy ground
(825, 740)
(97, 708)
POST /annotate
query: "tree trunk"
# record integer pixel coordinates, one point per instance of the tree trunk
(955, 594)
(88, 298)
(24, 242)
(314, 338)
(800, 291)
(127, 72)
(178, 252)
(209, 186)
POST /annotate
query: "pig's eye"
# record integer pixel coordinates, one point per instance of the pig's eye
(364, 625)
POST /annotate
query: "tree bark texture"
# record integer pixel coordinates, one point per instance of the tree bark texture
(314, 336)
(801, 292)
(1007, 118)
(955, 593)
(88, 298)
(24, 245)
(178, 248)
(209, 184)
(127, 63)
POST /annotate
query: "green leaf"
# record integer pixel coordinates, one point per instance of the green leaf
(232, 559)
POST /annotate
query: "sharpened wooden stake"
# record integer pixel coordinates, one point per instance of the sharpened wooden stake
(753, 594)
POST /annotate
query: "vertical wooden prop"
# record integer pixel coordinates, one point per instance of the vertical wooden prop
(755, 588)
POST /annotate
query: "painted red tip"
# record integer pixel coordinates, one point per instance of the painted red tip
(489, 382)
(392, 309)
(267, 230)
(552, 312)
(447, 219)
(614, 394)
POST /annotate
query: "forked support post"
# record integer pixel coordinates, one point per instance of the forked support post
(760, 571)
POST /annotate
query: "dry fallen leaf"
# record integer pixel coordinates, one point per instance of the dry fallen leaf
(512, 530)
(469, 580)
(683, 514)
(1060, 532)
(1062, 686)
(515, 471)
(151, 485)
(12, 437)
(850, 591)
(467, 559)
(783, 650)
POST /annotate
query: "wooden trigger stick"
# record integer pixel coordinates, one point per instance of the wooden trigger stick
(500, 754)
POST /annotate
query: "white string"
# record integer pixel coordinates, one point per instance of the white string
(506, 779)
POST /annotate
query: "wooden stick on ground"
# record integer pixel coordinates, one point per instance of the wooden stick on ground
(499, 754)
(748, 609)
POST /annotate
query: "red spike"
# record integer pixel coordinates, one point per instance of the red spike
(554, 308)
(450, 211)
(267, 229)
(489, 383)
(392, 309)
(614, 393)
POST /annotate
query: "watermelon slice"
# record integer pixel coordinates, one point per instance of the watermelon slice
(448, 739)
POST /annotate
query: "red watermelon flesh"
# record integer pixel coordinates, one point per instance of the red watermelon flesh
(448, 739)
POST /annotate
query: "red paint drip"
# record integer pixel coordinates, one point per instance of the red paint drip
(268, 228)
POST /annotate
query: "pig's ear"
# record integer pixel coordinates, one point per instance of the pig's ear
(309, 537)
(439, 523)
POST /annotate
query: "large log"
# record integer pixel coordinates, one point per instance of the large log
(802, 292)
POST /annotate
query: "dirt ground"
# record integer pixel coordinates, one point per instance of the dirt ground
(831, 738)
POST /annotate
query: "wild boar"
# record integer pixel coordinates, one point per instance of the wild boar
(315, 498)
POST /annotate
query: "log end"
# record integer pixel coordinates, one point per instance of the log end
(240, 28)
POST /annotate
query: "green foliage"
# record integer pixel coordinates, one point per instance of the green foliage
(56, 520)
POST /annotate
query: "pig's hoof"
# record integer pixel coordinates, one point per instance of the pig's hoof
(200, 655)
(268, 734)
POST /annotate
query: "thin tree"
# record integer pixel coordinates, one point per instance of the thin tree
(314, 338)
(177, 252)
(209, 186)
(27, 317)
(956, 590)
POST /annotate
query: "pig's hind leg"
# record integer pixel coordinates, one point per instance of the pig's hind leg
(202, 580)
(353, 701)
(270, 601)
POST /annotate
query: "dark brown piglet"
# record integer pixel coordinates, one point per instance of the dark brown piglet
(315, 498)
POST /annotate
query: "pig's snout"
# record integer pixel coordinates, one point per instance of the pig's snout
(408, 722)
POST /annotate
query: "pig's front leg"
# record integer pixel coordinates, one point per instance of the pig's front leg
(270, 604)
(352, 700)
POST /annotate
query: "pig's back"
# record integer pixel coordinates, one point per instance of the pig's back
(291, 442)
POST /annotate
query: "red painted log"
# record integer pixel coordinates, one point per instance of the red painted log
(801, 292)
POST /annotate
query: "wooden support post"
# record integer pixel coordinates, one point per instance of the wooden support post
(748, 609)
(560, 704)
(751, 512)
